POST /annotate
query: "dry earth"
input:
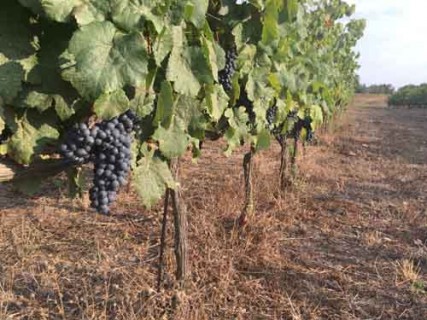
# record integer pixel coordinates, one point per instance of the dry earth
(347, 241)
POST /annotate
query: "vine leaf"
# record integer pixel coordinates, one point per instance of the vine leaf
(2, 122)
(11, 75)
(173, 141)
(270, 32)
(143, 103)
(238, 130)
(110, 105)
(262, 140)
(91, 11)
(151, 178)
(195, 12)
(162, 46)
(32, 132)
(316, 115)
(38, 100)
(180, 69)
(63, 109)
(34, 5)
(131, 15)
(216, 101)
(76, 182)
(106, 60)
(165, 105)
(16, 36)
(59, 10)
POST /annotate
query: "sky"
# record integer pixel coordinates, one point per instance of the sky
(394, 47)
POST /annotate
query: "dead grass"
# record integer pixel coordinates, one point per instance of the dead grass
(407, 271)
(348, 241)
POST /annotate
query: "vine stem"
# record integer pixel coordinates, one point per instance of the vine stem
(180, 225)
(160, 270)
(248, 208)
(294, 158)
(283, 173)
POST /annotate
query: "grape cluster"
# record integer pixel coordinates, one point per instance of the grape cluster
(299, 126)
(271, 115)
(225, 75)
(4, 135)
(248, 104)
(309, 129)
(78, 144)
(108, 145)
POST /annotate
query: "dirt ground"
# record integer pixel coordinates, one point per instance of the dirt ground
(347, 241)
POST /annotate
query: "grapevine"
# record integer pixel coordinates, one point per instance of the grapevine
(184, 71)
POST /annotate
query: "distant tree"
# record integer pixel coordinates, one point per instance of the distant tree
(410, 96)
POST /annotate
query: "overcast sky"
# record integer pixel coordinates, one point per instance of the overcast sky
(394, 48)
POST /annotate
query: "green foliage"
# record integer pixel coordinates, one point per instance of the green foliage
(410, 96)
(64, 61)
(375, 88)
(151, 177)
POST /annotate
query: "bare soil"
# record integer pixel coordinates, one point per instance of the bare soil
(347, 241)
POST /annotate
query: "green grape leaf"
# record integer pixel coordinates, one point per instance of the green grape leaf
(59, 10)
(37, 100)
(11, 76)
(76, 182)
(131, 14)
(31, 133)
(270, 31)
(34, 5)
(84, 12)
(151, 177)
(91, 11)
(162, 46)
(3, 149)
(180, 68)
(16, 36)
(238, 130)
(216, 101)
(165, 105)
(143, 103)
(2, 122)
(106, 60)
(173, 141)
(110, 105)
(316, 115)
(210, 54)
(262, 140)
(29, 65)
(188, 114)
(62, 108)
(195, 12)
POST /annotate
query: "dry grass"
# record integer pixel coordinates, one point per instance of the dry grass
(407, 271)
(371, 100)
(326, 249)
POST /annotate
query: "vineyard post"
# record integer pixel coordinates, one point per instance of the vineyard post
(180, 224)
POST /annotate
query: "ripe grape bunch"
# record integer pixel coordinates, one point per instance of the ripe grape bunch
(4, 135)
(108, 146)
(226, 74)
(246, 103)
(300, 125)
